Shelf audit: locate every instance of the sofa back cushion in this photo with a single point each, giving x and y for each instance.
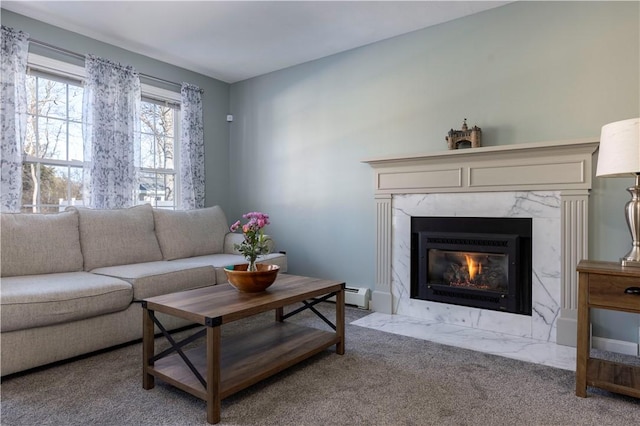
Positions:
(118, 236)
(35, 244)
(189, 233)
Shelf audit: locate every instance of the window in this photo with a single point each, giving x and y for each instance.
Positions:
(52, 168)
(158, 132)
(53, 148)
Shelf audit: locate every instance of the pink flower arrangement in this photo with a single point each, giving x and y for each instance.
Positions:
(255, 242)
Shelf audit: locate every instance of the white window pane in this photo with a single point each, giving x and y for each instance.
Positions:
(52, 138)
(75, 103)
(147, 117)
(167, 182)
(29, 185)
(164, 149)
(147, 152)
(76, 143)
(147, 189)
(54, 184)
(169, 164)
(29, 146)
(166, 119)
(75, 185)
(52, 98)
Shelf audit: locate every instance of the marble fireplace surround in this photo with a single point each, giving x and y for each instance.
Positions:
(546, 181)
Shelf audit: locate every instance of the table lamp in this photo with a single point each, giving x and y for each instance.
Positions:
(620, 157)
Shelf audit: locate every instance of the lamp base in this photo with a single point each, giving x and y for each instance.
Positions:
(630, 263)
(632, 210)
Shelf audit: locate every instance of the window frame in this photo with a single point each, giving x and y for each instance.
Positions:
(67, 72)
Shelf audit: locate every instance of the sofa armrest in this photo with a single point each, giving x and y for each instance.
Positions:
(233, 238)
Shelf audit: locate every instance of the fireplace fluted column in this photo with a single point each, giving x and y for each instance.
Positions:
(574, 211)
(382, 299)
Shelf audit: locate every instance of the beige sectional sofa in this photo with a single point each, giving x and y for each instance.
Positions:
(71, 281)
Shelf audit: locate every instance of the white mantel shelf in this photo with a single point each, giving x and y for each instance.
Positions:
(560, 165)
(565, 167)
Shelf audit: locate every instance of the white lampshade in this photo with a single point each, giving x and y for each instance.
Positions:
(619, 149)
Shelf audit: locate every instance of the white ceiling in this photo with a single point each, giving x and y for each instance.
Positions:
(235, 40)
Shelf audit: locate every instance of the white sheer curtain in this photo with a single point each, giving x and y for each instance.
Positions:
(112, 132)
(13, 105)
(191, 149)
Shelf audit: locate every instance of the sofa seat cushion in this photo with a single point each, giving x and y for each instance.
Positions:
(219, 261)
(156, 278)
(117, 236)
(188, 233)
(35, 244)
(39, 300)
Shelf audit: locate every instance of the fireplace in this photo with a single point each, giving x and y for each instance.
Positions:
(472, 261)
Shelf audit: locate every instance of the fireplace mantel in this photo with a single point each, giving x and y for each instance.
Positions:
(564, 166)
(524, 167)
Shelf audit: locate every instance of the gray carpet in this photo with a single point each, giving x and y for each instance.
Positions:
(383, 379)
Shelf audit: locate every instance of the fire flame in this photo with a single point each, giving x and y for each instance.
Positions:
(474, 267)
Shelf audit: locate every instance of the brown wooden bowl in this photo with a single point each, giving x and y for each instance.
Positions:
(254, 281)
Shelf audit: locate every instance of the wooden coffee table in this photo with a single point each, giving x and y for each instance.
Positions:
(220, 367)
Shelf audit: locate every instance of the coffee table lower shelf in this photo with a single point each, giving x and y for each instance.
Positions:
(246, 358)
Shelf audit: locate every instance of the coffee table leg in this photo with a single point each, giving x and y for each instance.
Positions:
(213, 374)
(279, 314)
(340, 321)
(148, 347)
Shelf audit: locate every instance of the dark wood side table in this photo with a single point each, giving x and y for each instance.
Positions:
(605, 285)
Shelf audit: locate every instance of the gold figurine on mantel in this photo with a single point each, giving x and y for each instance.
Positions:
(464, 138)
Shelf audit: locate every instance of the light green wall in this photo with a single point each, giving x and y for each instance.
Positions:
(215, 97)
(524, 72)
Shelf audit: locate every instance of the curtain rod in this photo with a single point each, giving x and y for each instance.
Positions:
(81, 56)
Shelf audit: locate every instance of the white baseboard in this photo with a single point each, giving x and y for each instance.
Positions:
(617, 346)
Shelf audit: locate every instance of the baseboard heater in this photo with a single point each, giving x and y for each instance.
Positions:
(355, 296)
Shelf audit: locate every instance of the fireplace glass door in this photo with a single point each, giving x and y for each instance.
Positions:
(468, 269)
